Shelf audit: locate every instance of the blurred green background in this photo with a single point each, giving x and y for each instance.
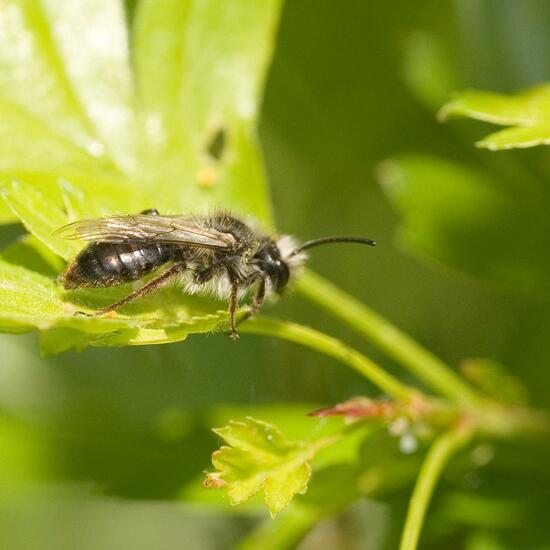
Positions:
(97, 447)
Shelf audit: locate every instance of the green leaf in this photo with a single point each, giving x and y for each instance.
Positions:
(33, 77)
(379, 473)
(52, 156)
(94, 121)
(335, 489)
(29, 301)
(92, 44)
(45, 208)
(215, 59)
(26, 298)
(528, 114)
(40, 216)
(30, 253)
(465, 218)
(260, 458)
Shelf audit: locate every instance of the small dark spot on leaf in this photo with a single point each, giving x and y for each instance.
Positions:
(217, 144)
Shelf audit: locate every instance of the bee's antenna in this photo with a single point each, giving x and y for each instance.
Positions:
(327, 240)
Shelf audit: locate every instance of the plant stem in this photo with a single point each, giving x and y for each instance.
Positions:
(444, 447)
(334, 348)
(418, 360)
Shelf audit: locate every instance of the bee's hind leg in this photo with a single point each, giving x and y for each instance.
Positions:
(147, 288)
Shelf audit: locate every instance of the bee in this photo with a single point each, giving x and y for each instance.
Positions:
(216, 254)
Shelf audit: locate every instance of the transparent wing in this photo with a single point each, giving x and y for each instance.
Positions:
(147, 228)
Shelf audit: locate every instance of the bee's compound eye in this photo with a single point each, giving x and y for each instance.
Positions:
(282, 277)
(275, 268)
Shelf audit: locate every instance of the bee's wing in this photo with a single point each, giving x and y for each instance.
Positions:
(147, 228)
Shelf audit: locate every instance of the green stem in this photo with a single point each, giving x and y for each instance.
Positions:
(334, 348)
(418, 360)
(439, 454)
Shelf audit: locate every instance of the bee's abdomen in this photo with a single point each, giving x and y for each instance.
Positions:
(106, 264)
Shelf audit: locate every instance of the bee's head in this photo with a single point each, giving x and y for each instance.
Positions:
(276, 269)
(290, 265)
(274, 262)
(283, 259)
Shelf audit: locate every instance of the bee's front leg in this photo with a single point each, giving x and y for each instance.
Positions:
(259, 297)
(233, 305)
(256, 305)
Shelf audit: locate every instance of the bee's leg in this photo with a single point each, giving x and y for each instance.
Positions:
(233, 305)
(147, 288)
(201, 277)
(150, 212)
(259, 297)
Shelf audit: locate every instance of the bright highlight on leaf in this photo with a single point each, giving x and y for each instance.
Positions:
(259, 457)
(527, 114)
(96, 121)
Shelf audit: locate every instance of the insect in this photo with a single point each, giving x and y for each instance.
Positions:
(216, 254)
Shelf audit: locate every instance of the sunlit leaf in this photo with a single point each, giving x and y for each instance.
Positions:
(29, 301)
(26, 297)
(40, 216)
(380, 472)
(95, 121)
(527, 113)
(29, 252)
(215, 55)
(260, 458)
(29, 150)
(165, 317)
(92, 41)
(33, 79)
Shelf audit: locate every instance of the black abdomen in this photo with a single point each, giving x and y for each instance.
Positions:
(106, 264)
